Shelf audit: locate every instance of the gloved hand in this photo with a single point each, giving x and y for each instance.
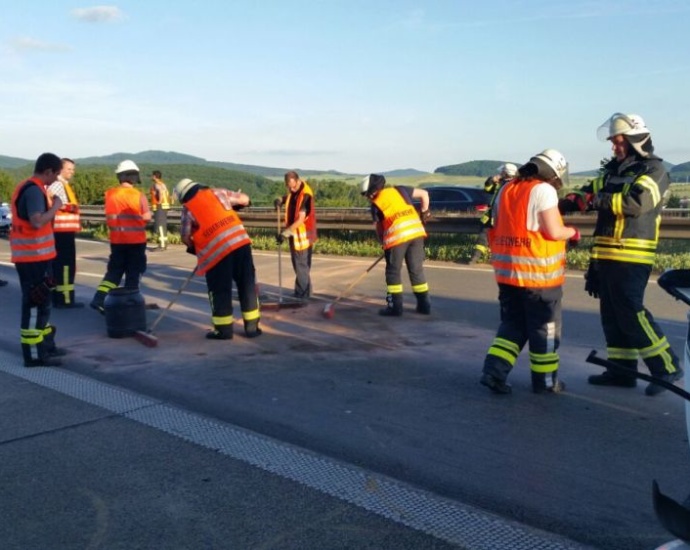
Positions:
(279, 238)
(592, 279)
(277, 203)
(191, 250)
(40, 293)
(285, 234)
(575, 239)
(425, 215)
(602, 201)
(577, 201)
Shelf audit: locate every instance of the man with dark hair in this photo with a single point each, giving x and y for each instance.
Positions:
(127, 212)
(300, 230)
(66, 226)
(160, 204)
(33, 250)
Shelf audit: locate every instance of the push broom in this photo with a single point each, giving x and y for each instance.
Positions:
(329, 309)
(147, 337)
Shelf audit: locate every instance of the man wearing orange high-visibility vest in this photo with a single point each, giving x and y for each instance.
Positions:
(126, 214)
(33, 250)
(300, 230)
(66, 225)
(214, 232)
(528, 245)
(401, 232)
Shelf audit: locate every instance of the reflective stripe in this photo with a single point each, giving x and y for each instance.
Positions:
(222, 321)
(526, 260)
(424, 287)
(523, 278)
(504, 349)
(251, 315)
(401, 222)
(628, 354)
(31, 337)
(226, 247)
(544, 362)
(394, 289)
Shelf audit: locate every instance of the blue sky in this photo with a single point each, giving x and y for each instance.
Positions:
(352, 85)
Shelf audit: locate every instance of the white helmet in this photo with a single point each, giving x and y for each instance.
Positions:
(554, 160)
(126, 166)
(372, 184)
(183, 187)
(618, 123)
(508, 169)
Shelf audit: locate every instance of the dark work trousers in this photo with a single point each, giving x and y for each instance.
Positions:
(527, 315)
(301, 263)
(160, 227)
(34, 325)
(629, 328)
(482, 245)
(64, 267)
(412, 253)
(237, 266)
(125, 259)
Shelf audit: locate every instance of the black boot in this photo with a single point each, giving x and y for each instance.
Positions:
(546, 382)
(611, 377)
(394, 305)
(495, 384)
(51, 349)
(423, 303)
(220, 332)
(98, 301)
(251, 329)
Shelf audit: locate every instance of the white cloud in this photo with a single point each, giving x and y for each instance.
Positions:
(27, 44)
(98, 14)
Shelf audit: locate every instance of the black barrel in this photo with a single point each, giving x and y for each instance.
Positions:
(125, 312)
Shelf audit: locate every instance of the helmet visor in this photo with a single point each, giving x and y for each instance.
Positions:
(619, 123)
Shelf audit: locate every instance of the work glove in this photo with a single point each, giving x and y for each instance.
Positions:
(602, 201)
(277, 203)
(592, 279)
(284, 234)
(40, 293)
(191, 250)
(238, 207)
(575, 239)
(425, 215)
(577, 201)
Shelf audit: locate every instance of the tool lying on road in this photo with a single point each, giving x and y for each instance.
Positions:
(329, 309)
(146, 337)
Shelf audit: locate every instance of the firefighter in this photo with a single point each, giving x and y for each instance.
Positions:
(66, 226)
(32, 246)
(160, 204)
(505, 173)
(213, 231)
(401, 231)
(300, 230)
(627, 196)
(528, 245)
(126, 212)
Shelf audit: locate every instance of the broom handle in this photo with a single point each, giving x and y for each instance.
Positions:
(173, 300)
(358, 279)
(280, 259)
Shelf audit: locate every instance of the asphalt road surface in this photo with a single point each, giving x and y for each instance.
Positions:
(395, 400)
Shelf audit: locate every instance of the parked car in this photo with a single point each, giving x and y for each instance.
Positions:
(5, 218)
(455, 198)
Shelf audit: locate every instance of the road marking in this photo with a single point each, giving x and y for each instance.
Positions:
(423, 511)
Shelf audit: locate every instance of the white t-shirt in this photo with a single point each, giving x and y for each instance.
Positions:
(542, 197)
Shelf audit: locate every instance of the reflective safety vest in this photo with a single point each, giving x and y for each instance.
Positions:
(521, 257)
(124, 216)
(67, 219)
(624, 238)
(305, 235)
(401, 223)
(159, 196)
(27, 243)
(220, 231)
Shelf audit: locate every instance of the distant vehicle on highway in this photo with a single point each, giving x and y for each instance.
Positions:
(5, 218)
(455, 198)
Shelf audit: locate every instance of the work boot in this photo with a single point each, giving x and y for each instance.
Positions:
(251, 329)
(394, 305)
(423, 303)
(546, 382)
(98, 302)
(654, 389)
(223, 332)
(495, 384)
(608, 378)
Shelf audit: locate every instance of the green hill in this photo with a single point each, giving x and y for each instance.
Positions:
(13, 162)
(477, 168)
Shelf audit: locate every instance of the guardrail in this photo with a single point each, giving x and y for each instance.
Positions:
(675, 223)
